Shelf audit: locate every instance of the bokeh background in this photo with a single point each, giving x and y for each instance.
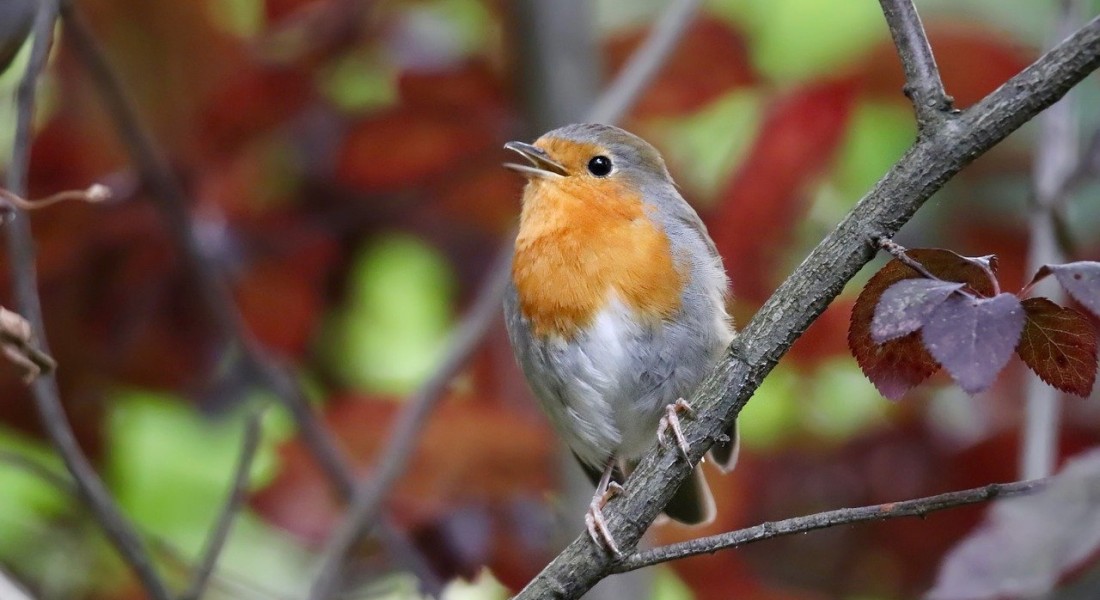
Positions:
(342, 161)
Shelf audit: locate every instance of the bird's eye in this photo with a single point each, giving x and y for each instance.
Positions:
(600, 166)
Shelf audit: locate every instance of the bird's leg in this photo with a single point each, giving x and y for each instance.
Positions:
(671, 420)
(593, 519)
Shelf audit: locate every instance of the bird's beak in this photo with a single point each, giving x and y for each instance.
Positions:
(541, 163)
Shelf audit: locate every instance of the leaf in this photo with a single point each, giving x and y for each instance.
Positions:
(1027, 544)
(899, 364)
(1081, 280)
(1059, 345)
(905, 306)
(973, 338)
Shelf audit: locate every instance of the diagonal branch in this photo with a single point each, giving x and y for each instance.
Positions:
(172, 202)
(918, 507)
(922, 77)
(47, 398)
(367, 502)
(935, 157)
(238, 493)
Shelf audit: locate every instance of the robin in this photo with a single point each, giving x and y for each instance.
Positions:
(615, 308)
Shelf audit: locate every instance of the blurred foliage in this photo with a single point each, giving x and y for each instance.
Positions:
(342, 160)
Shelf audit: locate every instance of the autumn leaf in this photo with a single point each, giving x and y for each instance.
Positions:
(896, 366)
(1059, 345)
(973, 337)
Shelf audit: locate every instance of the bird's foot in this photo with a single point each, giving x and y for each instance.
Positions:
(671, 420)
(595, 522)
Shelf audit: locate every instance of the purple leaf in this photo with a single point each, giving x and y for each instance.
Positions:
(904, 306)
(1027, 544)
(1081, 280)
(973, 338)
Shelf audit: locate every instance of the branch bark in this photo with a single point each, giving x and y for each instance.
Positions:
(47, 398)
(944, 148)
(923, 85)
(918, 507)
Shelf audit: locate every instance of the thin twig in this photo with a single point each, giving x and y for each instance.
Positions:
(645, 63)
(922, 77)
(238, 492)
(367, 502)
(900, 253)
(172, 203)
(17, 343)
(46, 395)
(919, 507)
(236, 586)
(933, 159)
(94, 193)
(1056, 161)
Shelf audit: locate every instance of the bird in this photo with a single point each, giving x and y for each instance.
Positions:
(615, 308)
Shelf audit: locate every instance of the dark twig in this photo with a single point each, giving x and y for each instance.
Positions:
(934, 158)
(17, 343)
(899, 252)
(922, 77)
(238, 492)
(845, 516)
(367, 503)
(172, 203)
(46, 395)
(169, 554)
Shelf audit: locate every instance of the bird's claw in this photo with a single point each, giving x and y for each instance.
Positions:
(671, 420)
(596, 524)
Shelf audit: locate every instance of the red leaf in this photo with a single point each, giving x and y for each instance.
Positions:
(710, 60)
(759, 206)
(1059, 345)
(973, 338)
(404, 146)
(253, 100)
(900, 364)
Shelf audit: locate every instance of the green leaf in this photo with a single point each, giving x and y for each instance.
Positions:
(774, 413)
(27, 502)
(392, 330)
(170, 468)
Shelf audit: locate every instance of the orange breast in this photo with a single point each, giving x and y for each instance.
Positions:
(580, 240)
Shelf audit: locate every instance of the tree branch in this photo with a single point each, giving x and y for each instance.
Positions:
(944, 148)
(845, 516)
(922, 77)
(46, 395)
(238, 493)
(171, 201)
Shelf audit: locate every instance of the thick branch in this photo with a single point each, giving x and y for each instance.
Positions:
(845, 516)
(933, 159)
(922, 78)
(47, 398)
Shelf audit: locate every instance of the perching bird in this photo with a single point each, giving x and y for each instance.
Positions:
(616, 306)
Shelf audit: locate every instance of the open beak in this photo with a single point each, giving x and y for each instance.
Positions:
(541, 163)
